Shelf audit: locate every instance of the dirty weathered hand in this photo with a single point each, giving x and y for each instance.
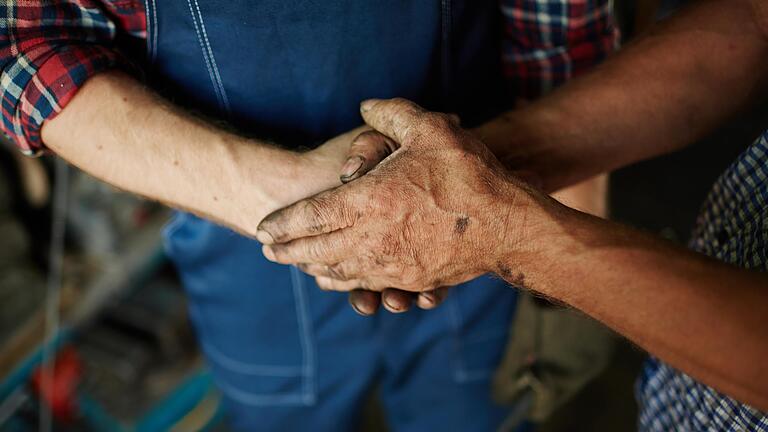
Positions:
(435, 213)
(366, 151)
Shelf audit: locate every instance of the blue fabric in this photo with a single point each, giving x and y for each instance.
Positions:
(286, 355)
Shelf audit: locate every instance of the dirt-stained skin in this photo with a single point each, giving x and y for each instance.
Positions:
(424, 218)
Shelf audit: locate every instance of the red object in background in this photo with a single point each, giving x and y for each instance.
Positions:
(59, 392)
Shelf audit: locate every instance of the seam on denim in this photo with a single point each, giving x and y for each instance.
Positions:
(248, 398)
(217, 75)
(454, 317)
(146, 18)
(307, 343)
(205, 55)
(155, 32)
(220, 359)
(244, 368)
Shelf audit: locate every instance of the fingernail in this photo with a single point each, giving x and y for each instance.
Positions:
(356, 309)
(264, 237)
(351, 166)
(367, 105)
(429, 297)
(268, 253)
(392, 308)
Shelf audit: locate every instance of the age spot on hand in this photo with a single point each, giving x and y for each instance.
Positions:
(461, 225)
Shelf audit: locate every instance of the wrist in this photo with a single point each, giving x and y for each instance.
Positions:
(536, 143)
(519, 140)
(528, 229)
(263, 179)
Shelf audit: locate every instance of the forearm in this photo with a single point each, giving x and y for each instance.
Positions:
(120, 132)
(409, 225)
(703, 317)
(657, 95)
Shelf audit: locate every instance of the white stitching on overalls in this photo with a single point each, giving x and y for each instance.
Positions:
(205, 56)
(260, 399)
(146, 18)
(150, 15)
(307, 395)
(219, 82)
(308, 353)
(222, 360)
(233, 365)
(155, 31)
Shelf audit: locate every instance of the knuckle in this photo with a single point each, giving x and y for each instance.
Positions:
(366, 137)
(411, 279)
(442, 125)
(441, 121)
(412, 287)
(308, 269)
(395, 269)
(338, 271)
(278, 252)
(372, 285)
(315, 250)
(400, 102)
(314, 207)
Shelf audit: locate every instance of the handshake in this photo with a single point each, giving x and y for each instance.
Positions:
(430, 207)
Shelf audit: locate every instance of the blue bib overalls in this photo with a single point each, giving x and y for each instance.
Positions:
(286, 355)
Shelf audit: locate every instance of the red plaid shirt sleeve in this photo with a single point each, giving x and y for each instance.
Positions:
(48, 49)
(548, 42)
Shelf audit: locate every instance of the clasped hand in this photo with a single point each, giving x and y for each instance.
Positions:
(439, 211)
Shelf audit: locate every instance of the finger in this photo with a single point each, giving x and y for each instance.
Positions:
(432, 299)
(396, 301)
(394, 118)
(364, 302)
(328, 284)
(330, 248)
(366, 151)
(343, 271)
(320, 214)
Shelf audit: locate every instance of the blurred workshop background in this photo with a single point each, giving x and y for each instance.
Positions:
(125, 355)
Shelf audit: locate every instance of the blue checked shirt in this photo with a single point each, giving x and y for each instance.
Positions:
(733, 227)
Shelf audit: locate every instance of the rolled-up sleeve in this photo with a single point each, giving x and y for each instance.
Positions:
(548, 42)
(48, 50)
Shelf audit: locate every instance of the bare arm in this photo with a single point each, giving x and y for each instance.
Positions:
(122, 133)
(409, 224)
(704, 317)
(657, 95)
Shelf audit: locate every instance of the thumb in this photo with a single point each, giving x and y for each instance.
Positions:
(394, 118)
(367, 150)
